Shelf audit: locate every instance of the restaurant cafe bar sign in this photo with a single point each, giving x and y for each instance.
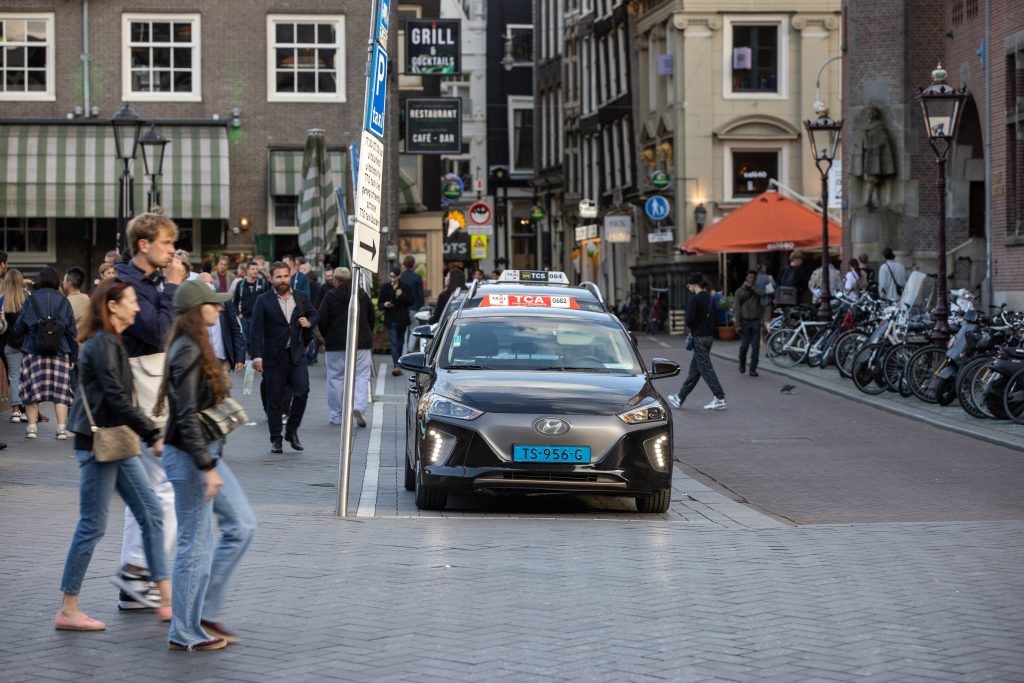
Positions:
(433, 125)
(432, 46)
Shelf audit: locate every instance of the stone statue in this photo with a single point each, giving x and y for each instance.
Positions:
(873, 159)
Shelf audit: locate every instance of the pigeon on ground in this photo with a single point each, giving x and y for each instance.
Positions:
(788, 389)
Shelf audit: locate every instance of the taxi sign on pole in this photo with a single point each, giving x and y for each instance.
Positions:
(377, 96)
(383, 15)
(368, 185)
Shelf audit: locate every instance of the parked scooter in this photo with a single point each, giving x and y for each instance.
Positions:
(995, 378)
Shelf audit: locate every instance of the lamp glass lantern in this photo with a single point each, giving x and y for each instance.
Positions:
(941, 108)
(127, 125)
(153, 145)
(823, 134)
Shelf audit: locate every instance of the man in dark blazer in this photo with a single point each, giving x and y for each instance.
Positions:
(282, 320)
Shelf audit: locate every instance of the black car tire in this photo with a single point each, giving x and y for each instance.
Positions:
(658, 503)
(430, 498)
(410, 476)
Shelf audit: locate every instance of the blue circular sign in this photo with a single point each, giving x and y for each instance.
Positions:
(657, 208)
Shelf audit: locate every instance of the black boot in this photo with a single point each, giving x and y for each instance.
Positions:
(293, 439)
(276, 446)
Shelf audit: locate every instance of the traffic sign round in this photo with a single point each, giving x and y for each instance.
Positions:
(657, 208)
(479, 213)
(660, 179)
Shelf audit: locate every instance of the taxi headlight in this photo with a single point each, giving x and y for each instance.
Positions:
(649, 413)
(659, 452)
(442, 406)
(437, 446)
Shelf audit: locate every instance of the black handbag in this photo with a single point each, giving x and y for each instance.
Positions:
(220, 420)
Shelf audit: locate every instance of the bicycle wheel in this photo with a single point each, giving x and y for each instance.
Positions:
(866, 369)
(846, 348)
(894, 364)
(965, 391)
(921, 368)
(816, 349)
(1013, 397)
(786, 348)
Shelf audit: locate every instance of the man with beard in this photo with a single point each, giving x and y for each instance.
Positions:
(282, 322)
(154, 273)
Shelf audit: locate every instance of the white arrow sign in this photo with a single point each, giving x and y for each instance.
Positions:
(366, 247)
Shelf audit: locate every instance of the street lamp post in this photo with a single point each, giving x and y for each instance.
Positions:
(153, 145)
(941, 107)
(823, 134)
(126, 123)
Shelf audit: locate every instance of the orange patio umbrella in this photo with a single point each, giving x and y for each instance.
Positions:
(768, 222)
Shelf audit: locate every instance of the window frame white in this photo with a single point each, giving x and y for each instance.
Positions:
(509, 28)
(272, 226)
(407, 81)
(196, 45)
(515, 103)
(50, 94)
(27, 258)
(782, 62)
(729, 148)
(340, 73)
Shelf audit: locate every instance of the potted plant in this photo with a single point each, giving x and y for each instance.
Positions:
(726, 324)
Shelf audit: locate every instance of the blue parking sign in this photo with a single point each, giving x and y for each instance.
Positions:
(383, 12)
(377, 95)
(657, 208)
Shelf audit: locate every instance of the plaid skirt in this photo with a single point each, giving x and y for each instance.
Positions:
(45, 378)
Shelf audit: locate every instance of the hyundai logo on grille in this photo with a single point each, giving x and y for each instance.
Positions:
(549, 426)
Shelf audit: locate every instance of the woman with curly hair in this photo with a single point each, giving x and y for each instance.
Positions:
(204, 485)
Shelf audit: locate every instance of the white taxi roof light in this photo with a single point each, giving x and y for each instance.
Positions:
(554, 276)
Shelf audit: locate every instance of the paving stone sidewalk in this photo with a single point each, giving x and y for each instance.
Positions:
(539, 590)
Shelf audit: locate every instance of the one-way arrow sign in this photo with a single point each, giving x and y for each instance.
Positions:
(366, 240)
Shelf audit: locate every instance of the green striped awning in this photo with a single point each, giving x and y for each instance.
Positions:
(285, 171)
(410, 199)
(70, 171)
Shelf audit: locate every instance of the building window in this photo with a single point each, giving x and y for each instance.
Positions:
(286, 213)
(26, 58)
(161, 57)
(520, 113)
(1014, 180)
(407, 82)
(26, 237)
(755, 58)
(521, 37)
(751, 171)
(306, 58)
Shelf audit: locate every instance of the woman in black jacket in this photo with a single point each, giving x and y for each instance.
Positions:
(454, 279)
(700, 320)
(203, 484)
(105, 380)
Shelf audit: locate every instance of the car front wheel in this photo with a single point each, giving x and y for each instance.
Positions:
(410, 476)
(658, 503)
(430, 498)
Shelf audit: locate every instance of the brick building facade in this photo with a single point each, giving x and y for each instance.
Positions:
(286, 66)
(890, 48)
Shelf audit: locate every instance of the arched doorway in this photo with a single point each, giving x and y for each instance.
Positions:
(966, 225)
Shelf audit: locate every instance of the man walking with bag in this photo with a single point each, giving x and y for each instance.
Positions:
(892, 277)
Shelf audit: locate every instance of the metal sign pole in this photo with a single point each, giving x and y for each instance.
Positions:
(348, 392)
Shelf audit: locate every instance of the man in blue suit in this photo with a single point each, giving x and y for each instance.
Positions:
(282, 320)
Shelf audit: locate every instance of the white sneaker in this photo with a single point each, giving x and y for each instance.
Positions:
(62, 433)
(673, 399)
(30, 432)
(15, 417)
(717, 404)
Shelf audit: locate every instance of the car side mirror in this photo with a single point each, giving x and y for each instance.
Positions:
(662, 368)
(417, 362)
(422, 332)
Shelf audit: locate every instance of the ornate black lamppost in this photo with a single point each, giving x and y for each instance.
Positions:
(941, 106)
(153, 145)
(823, 134)
(127, 123)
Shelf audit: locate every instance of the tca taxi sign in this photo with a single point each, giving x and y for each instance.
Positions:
(530, 300)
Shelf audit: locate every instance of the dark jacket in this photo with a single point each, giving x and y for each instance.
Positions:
(396, 315)
(156, 310)
(49, 302)
(700, 315)
(333, 322)
(412, 282)
(187, 394)
(748, 303)
(105, 377)
(231, 333)
(270, 332)
(792, 277)
(246, 295)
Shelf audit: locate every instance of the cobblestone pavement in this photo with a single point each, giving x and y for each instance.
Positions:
(529, 589)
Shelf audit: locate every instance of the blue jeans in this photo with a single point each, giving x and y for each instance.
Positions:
(202, 573)
(396, 335)
(97, 482)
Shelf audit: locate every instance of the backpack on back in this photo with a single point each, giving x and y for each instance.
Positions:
(49, 329)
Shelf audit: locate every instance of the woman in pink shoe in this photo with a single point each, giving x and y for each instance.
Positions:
(105, 381)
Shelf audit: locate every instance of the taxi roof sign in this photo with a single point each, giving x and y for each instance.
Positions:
(530, 300)
(553, 276)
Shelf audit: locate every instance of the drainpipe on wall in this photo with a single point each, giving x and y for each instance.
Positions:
(986, 293)
(85, 56)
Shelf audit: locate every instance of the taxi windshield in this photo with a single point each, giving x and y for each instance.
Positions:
(539, 343)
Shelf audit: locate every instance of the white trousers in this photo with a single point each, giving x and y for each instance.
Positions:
(336, 381)
(131, 545)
